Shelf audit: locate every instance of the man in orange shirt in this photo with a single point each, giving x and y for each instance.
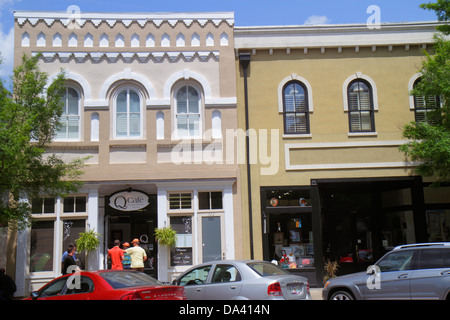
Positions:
(116, 256)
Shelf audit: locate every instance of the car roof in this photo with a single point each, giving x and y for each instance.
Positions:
(423, 245)
(234, 261)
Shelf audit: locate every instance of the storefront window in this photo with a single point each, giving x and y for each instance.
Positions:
(291, 238)
(179, 201)
(41, 253)
(210, 200)
(42, 205)
(74, 204)
(288, 224)
(71, 232)
(181, 255)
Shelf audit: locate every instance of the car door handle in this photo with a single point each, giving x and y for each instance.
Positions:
(445, 273)
(198, 289)
(233, 287)
(403, 276)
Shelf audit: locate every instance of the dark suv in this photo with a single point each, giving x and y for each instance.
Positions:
(414, 271)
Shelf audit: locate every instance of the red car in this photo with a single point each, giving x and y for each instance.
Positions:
(107, 285)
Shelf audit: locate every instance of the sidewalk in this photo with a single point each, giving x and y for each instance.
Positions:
(316, 293)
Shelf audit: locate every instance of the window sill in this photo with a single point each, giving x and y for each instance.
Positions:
(362, 134)
(297, 136)
(43, 216)
(74, 215)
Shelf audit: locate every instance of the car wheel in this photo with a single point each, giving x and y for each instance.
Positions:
(341, 295)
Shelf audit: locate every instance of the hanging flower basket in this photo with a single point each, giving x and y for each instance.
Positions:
(166, 236)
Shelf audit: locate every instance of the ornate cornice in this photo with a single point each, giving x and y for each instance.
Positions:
(98, 56)
(49, 17)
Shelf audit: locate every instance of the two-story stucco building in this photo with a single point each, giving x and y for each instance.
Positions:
(326, 106)
(148, 99)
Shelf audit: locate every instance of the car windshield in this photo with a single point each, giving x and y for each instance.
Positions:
(266, 269)
(126, 279)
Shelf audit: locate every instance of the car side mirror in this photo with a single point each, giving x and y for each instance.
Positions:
(34, 295)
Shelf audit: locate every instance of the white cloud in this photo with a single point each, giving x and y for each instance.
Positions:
(6, 40)
(6, 3)
(317, 20)
(7, 52)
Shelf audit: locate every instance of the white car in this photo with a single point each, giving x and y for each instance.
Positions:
(242, 280)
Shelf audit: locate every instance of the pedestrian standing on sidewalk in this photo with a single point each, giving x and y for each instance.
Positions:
(70, 247)
(7, 286)
(116, 256)
(126, 262)
(69, 261)
(138, 256)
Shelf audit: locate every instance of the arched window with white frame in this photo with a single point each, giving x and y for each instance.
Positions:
(425, 107)
(360, 106)
(128, 114)
(188, 112)
(70, 119)
(295, 108)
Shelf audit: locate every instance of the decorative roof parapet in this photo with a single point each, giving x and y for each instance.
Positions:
(49, 17)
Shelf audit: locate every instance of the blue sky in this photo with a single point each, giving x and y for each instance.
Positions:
(247, 13)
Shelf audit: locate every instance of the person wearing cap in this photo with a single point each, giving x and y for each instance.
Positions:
(138, 256)
(126, 262)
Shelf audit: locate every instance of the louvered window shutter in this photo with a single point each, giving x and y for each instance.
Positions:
(360, 107)
(296, 108)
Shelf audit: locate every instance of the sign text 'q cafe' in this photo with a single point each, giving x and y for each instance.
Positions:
(129, 200)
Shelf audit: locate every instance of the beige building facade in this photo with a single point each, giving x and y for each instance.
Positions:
(326, 106)
(148, 99)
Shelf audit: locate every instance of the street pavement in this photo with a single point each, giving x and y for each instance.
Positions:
(316, 293)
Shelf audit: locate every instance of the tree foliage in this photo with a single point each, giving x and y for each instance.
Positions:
(29, 118)
(430, 140)
(442, 10)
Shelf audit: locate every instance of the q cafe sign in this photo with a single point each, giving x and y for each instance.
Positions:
(129, 200)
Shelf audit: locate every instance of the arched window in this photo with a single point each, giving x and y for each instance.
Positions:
(360, 106)
(70, 118)
(128, 118)
(295, 108)
(188, 112)
(425, 106)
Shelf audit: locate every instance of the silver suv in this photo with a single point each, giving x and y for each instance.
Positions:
(414, 271)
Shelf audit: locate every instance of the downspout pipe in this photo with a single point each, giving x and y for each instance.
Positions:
(244, 60)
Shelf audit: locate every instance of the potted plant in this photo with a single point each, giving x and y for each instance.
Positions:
(331, 268)
(88, 241)
(166, 236)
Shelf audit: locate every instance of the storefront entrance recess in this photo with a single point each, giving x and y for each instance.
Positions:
(139, 224)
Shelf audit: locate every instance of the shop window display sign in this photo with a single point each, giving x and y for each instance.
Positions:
(181, 255)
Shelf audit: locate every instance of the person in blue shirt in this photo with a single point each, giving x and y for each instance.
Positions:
(70, 247)
(126, 262)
